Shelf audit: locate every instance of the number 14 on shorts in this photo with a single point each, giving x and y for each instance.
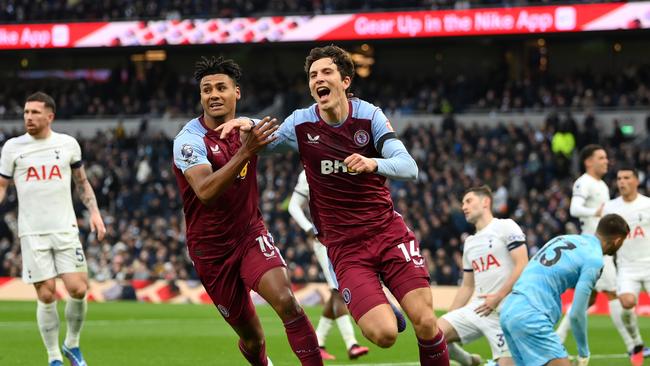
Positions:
(412, 253)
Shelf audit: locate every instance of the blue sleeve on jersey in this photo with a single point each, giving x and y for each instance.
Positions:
(189, 150)
(397, 162)
(381, 128)
(285, 137)
(588, 277)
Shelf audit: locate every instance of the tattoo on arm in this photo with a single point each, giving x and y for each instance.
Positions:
(84, 189)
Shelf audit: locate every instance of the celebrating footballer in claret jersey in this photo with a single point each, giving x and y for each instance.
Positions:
(348, 148)
(227, 240)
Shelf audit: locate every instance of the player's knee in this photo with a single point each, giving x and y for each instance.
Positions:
(383, 337)
(287, 306)
(424, 322)
(46, 297)
(253, 345)
(78, 291)
(628, 301)
(46, 292)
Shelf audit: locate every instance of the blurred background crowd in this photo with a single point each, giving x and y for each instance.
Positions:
(135, 187)
(160, 91)
(568, 79)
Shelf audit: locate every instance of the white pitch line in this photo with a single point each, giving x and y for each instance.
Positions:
(593, 357)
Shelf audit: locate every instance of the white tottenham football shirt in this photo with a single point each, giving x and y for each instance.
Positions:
(42, 172)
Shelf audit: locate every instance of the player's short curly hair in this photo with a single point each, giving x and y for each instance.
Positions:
(42, 97)
(339, 56)
(613, 225)
(217, 65)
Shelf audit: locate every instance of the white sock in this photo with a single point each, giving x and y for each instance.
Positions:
(48, 324)
(616, 313)
(458, 354)
(347, 332)
(75, 313)
(268, 359)
(323, 329)
(564, 327)
(631, 323)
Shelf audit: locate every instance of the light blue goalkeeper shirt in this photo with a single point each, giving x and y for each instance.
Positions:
(568, 261)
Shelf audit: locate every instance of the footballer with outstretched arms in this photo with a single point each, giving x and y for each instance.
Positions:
(348, 149)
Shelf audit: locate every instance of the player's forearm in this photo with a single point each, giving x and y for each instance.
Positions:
(4, 184)
(506, 288)
(578, 317)
(215, 184)
(295, 210)
(87, 197)
(578, 209)
(462, 297)
(397, 163)
(520, 264)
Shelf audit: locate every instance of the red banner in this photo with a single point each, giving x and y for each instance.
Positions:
(362, 26)
(602, 307)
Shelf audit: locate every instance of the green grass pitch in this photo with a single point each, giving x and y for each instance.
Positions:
(146, 334)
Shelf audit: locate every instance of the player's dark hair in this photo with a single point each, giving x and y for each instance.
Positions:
(588, 151)
(612, 226)
(42, 97)
(217, 65)
(339, 56)
(628, 167)
(483, 191)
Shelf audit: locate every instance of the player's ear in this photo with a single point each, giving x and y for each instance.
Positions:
(347, 81)
(238, 92)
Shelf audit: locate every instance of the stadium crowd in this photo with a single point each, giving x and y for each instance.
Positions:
(157, 90)
(135, 188)
(87, 10)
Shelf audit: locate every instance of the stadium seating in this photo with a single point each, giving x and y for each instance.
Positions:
(131, 175)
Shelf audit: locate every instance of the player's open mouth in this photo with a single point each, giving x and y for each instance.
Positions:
(322, 92)
(215, 105)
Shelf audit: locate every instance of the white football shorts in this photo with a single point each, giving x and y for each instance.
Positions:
(471, 326)
(49, 255)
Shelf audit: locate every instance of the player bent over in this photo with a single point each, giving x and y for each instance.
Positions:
(493, 259)
(534, 306)
(228, 243)
(42, 164)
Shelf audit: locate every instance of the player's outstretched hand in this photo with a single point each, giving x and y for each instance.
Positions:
(260, 136)
(242, 124)
(357, 163)
(491, 303)
(97, 226)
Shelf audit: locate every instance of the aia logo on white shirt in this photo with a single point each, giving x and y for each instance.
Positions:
(43, 173)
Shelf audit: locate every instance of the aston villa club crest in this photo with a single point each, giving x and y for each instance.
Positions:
(361, 138)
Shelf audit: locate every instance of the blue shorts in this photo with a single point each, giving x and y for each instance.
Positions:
(529, 333)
